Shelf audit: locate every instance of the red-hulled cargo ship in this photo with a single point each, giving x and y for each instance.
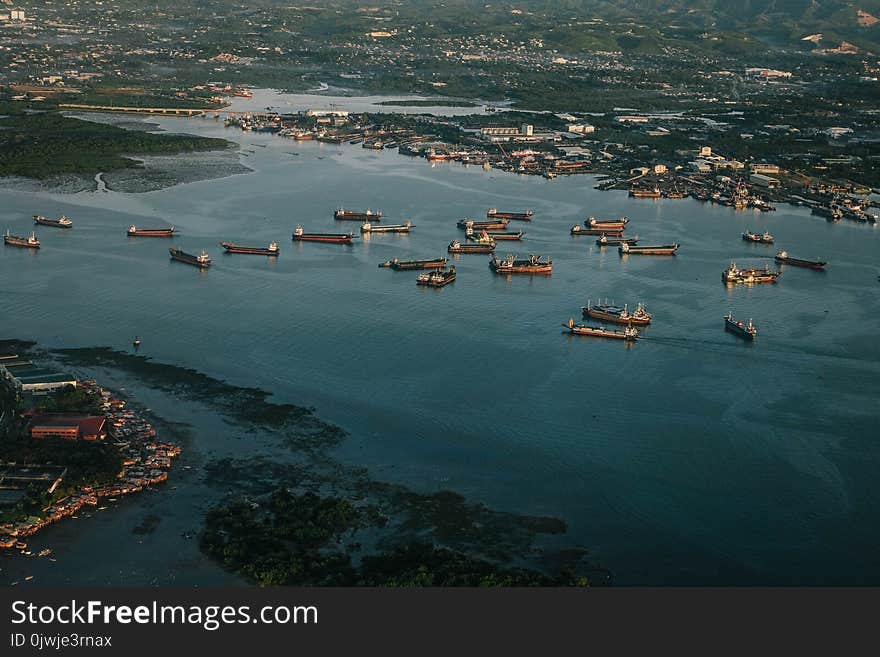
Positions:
(134, 231)
(510, 265)
(610, 224)
(577, 229)
(457, 247)
(629, 333)
(501, 224)
(330, 238)
(22, 242)
(493, 213)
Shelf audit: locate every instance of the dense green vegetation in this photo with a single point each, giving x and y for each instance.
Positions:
(290, 539)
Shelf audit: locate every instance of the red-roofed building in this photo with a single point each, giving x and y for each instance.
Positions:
(70, 427)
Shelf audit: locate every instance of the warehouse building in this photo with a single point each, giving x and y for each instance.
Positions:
(23, 377)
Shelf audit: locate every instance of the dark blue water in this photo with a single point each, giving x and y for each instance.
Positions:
(689, 457)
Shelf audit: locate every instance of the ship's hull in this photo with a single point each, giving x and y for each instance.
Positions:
(472, 248)
(597, 231)
(188, 259)
(436, 280)
(618, 241)
(524, 268)
(501, 237)
(518, 216)
(797, 262)
(387, 229)
(615, 317)
(606, 225)
(54, 223)
(410, 265)
(637, 193)
(599, 332)
(357, 216)
(248, 250)
(757, 239)
(484, 225)
(650, 250)
(736, 329)
(318, 237)
(151, 232)
(20, 243)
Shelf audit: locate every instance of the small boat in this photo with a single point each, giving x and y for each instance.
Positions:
(509, 265)
(733, 275)
(406, 265)
(747, 331)
(577, 229)
(617, 241)
(629, 333)
(136, 342)
(783, 257)
(437, 278)
(134, 231)
(271, 250)
(501, 224)
(61, 222)
(611, 224)
(457, 247)
(611, 313)
(202, 261)
(332, 238)
(766, 238)
(493, 213)
(666, 249)
(367, 215)
(30, 242)
(367, 227)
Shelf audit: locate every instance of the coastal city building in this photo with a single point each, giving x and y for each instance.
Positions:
(23, 377)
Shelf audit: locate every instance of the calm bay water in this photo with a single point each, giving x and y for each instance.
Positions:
(690, 457)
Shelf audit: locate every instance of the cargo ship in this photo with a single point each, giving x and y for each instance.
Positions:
(271, 250)
(766, 238)
(577, 229)
(510, 265)
(368, 215)
(496, 235)
(782, 256)
(501, 224)
(617, 241)
(201, 261)
(61, 222)
(134, 231)
(367, 227)
(437, 278)
(457, 247)
(610, 313)
(23, 242)
(629, 333)
(735, 276)
(610, 224)
(332, 238)
(645, 193)
(407, 265)
(482, 238)
(747, 331)
(493, 213)
(666, 249)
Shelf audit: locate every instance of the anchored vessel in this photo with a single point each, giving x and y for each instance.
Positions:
(482, 238)
(201, 261)
(667, 249)
(617, 241)
(493, 213)
(367, 215)
(509, 265)
(406, 265)
(61, 222)
(733, 275)
(499, 235)
(577, 229)
(645, 193)
(610, 313)
(367, 227)
(766, 238)
(747, 331)
(271, 250)
(333, 238)
(457, 247)
(782, 256)
(23, 242)
(629, 333)
(501, 224)
(134, 231)
(437, 278)
(611, 224)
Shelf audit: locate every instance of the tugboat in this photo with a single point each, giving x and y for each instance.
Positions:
(271, 250)
(437, 278)
(61, 222)
(333, 238)
(134, 231)
(735, 276)
(202, 261)
(457, 247)
(368, 215)
(367, 227)
(611, 224)
(501, 224)
(747, 331)
(492, 213)
(782, 256)
(629, 333)
(509, 265)
(22, 242)
(668, 249)
(407, 265)
(577, 229)
(766, 238)
(617, 241)
(617, 315)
